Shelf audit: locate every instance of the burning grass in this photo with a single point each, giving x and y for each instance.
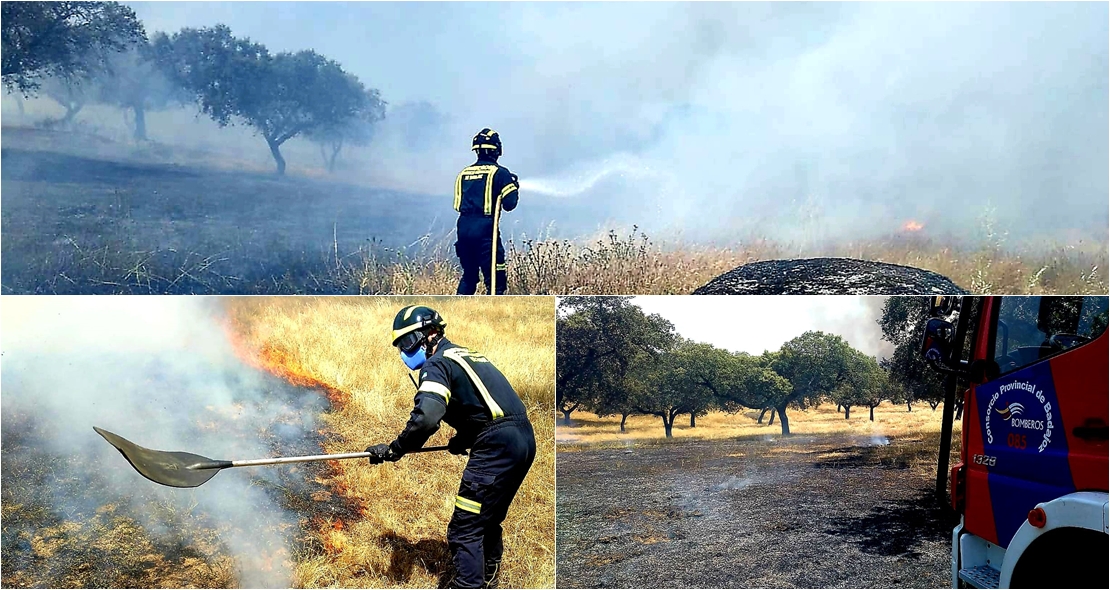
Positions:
(397, 539)
(86, 215)
(68, 522)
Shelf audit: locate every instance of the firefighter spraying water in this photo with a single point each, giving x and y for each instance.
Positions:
(1031, 484)
(482, 190)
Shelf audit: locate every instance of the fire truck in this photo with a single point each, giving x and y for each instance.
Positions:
(1030, 485)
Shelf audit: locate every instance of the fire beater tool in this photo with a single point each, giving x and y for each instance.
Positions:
(185, 470)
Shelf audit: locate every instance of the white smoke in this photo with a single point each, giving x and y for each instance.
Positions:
(160, 372)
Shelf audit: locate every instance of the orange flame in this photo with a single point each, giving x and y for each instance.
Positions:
(281, 363)
(912, 226)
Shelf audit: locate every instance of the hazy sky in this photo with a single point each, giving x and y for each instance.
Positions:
(757, 323)
(800, 120)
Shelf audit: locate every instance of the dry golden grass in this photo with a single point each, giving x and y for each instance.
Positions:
(910, 439)
(343, 343)
(629, 263)
(588, 429)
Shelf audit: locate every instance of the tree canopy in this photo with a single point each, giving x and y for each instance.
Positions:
(62, 39)
(281, 96)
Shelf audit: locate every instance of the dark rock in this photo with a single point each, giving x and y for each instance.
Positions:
(828, 276)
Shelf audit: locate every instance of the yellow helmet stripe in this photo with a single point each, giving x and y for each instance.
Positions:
(398, 333)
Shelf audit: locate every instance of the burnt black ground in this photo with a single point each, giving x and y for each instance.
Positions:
(828, 276)
(825, 511)
(77, 220)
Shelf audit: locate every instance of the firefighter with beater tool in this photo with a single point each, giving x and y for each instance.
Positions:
(482, 190)
(463, 388)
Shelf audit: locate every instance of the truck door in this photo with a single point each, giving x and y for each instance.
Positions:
(1037, 428)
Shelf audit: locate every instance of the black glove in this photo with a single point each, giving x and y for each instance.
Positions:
(457, 445)
(380, 454)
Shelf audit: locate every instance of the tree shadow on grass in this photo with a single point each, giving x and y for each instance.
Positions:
(34, 166)
(430, 555)
(897, 527)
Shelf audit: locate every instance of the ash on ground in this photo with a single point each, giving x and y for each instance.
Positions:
(828, 276)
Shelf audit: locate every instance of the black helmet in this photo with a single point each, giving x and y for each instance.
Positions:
(410, 326)
(487, 141)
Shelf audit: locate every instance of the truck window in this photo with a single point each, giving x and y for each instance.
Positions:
(1034, 328)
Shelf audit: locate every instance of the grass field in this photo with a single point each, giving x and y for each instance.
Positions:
(85, 215)
(733, 504)
(588, 429)
(343, 345)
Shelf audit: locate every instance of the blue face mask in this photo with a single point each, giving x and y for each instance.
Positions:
(415, 360)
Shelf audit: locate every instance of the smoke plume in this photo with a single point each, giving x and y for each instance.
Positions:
(159, 372)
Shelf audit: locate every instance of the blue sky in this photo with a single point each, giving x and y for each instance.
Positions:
(746, 116)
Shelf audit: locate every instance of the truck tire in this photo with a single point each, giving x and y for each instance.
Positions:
(1064, 558)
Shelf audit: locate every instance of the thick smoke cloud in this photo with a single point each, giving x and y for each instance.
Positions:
(160, 372)
(759, 323)
(793, 121)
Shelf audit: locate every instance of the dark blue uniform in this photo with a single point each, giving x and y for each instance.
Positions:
(478, 190)
(463, 389)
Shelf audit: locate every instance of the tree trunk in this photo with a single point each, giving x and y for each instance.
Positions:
(783, 420)
(761, 414)
(847, 412)
(959, 410)
(566, 416)
(934, 405)
(839, 407)
(693, 420)
(624, 417)
(872, 413)
(771, 421)
(334, 154)
(72, 108)
(275, 151)
(140, 122)
(667, 425)
(909, 408)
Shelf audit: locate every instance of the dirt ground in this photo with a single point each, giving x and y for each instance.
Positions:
(817, 511)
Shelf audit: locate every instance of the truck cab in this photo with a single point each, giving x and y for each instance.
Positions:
(1031, 483)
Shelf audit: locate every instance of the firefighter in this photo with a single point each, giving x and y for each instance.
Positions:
(462, 388)
(482, 190)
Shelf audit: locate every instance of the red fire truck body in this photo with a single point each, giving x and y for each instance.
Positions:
(1031, 485)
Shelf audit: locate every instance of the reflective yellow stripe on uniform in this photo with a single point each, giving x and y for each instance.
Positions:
(457, 354)
(487, 207)
(436, 388)
(500, 267)
(468, 505)
(458, 190)
(509, 188)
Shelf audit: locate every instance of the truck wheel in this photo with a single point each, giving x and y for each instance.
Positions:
(1064, 558)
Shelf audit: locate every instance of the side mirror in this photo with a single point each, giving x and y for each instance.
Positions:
(936, 342)
(942, 305)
